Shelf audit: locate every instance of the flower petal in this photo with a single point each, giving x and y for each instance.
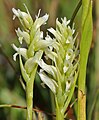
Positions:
(65, 22)
(48, 68)
(15, 13)
(14, 56)
(48, 81)
(50, 54)
(25, 18)
(42, 44)
(40, 21)
(21, 51)
(23, 35)
(51, 30)
(68, 84)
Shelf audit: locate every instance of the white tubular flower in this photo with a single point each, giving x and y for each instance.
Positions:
(48, 81)
(24, 18)
(51, 30)
(48, 68)
(20, 51)
(42, 44)
(50, 54)
(40, 21)
(23, 35)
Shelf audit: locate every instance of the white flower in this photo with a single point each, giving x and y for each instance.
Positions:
(65, 22)
(51, 30)
(68, 84)
(40, 21)
(23, 35)
(20, 51)
(48, 81)
(24, 17)
(48, 68)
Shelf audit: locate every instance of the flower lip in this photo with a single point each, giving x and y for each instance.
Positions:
(15, 13)
(20, 51)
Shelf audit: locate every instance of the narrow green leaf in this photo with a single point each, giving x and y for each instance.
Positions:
(85, 47)
(86, 38)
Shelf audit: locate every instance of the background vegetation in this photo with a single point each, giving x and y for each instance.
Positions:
(11, 90)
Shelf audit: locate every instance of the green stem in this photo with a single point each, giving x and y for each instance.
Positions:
(59, 114)
(29, 94)
(29, 97)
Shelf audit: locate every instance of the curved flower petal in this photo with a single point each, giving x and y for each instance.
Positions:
(14, 56)
(15, 13)
(48, 81)
(40, 21)
(48, 68)
(68, 84)
(23, 35)
(20, 51)
(69, 54)
(42, 44)
(51, 30)
(50, 54)
(65, 68)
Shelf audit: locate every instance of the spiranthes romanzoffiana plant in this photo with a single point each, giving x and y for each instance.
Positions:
(35, 45)
(61, 75)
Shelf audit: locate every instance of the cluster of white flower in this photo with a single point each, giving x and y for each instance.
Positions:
(62, 74)
(61, 49)
(33, 37)
(63, 53)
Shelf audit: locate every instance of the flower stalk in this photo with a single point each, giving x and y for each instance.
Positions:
(32, 36)
(62, 73)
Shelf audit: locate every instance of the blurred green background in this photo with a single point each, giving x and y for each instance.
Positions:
(11, 90)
